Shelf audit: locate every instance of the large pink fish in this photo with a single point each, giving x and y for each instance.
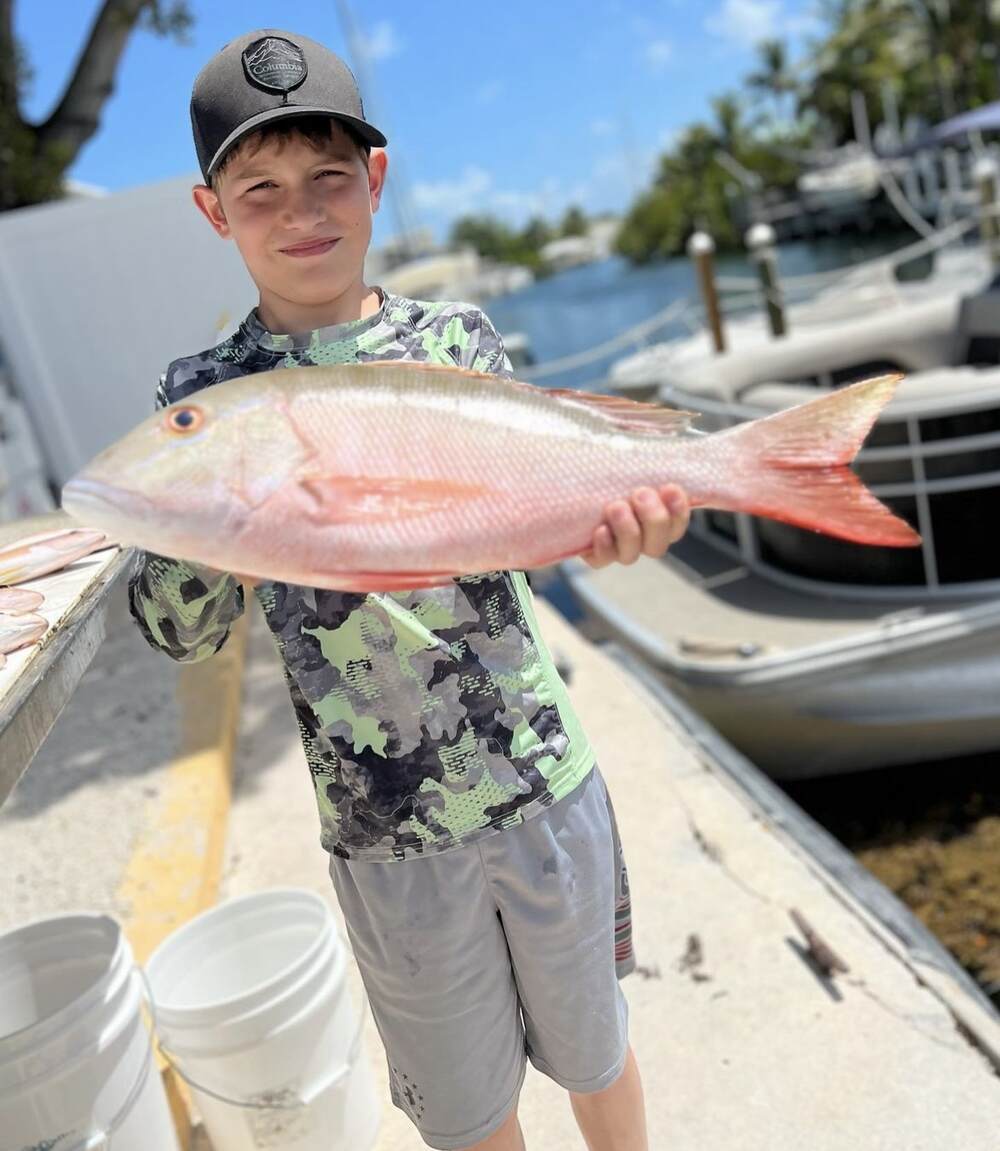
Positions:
(395, 475)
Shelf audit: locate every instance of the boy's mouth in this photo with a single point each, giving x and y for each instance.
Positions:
(311, 247)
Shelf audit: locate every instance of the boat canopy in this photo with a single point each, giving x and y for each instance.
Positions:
(984, 119)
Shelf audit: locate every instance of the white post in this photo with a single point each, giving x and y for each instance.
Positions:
(760, 241)
(890, 111)
(859, 113)
(953, 182)
(985, 175)
(932, 187)
(700, 248)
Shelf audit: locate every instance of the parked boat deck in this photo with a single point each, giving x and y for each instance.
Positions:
(803, 685)
(701, 602)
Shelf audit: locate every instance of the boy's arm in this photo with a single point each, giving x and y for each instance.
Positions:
(182, 608)
(488, 355)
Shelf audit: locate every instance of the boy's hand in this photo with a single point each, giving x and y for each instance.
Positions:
(646, 524)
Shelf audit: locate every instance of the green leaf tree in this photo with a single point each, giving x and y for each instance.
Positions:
(574, 223)
(774, 77)
(34, 158)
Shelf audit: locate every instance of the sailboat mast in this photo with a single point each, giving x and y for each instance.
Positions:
(395, 188)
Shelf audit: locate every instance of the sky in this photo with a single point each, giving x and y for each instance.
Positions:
(515, 109)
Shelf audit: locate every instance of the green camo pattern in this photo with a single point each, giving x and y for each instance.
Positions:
(428, 718)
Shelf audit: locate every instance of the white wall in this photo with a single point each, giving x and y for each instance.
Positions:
(96, 297)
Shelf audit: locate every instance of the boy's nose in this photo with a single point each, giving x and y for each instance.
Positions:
(303, 206)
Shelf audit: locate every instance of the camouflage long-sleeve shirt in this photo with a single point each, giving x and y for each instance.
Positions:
(429, 718)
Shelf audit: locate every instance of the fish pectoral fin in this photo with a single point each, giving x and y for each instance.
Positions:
(342, 499)
(380, 581)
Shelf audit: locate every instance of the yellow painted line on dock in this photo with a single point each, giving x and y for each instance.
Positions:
(176, 864)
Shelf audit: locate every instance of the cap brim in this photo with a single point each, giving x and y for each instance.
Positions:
(369, 134)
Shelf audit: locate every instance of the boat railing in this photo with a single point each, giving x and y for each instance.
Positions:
(748, 557)
(939, 238)
(921, 488)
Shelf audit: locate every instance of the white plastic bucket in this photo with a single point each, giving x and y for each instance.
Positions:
(251, 1008)
(76, 1066)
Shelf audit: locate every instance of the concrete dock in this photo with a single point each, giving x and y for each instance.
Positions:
(741, 1040)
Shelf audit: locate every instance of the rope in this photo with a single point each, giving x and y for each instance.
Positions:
(629, 336)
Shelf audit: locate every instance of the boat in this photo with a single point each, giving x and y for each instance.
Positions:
(849, 178)
(810, 654)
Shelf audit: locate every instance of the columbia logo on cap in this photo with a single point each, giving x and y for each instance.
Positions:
(275, 64)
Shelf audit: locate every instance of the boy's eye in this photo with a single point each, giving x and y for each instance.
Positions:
(262, 184)
(332, 172)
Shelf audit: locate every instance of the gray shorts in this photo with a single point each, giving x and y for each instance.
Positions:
(481, 956)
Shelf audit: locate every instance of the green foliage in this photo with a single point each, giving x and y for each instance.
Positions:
(693, 191)
(938, 58)
(35, 157)
(495, 240)
(574, 223)
(171, 18)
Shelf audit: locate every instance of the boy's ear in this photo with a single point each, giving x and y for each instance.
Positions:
(211, 208)
(378, 162)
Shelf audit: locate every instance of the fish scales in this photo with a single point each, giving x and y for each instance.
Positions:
(381, 476)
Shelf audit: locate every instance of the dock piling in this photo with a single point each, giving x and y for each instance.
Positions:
(984, 173)
(700, 247)
(760, 241)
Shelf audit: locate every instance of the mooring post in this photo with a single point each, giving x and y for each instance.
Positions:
(760, 241)
(700, 248)
(984, 172)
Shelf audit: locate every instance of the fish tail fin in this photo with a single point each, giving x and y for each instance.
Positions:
(797, 461)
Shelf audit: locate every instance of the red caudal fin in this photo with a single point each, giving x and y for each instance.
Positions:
(796, 466)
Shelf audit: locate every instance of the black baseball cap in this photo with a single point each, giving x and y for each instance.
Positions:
(269, 75)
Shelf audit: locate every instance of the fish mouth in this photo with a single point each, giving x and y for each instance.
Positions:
(81, 497)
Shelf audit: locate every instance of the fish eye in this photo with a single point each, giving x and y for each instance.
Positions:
(185, 420)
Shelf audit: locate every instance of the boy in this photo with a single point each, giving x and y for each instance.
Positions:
(436, 729)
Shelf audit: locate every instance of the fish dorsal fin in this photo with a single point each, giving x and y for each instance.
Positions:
(630, 415)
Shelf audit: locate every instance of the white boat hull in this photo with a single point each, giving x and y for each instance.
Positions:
(889, 693)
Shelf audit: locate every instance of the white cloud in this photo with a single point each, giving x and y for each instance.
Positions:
(631, 169)
(658, 53)
(450, 198)
(476, 192)
(603, 127)
(381, 42)
(744, 23)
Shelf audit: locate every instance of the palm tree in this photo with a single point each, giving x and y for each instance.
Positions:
(775, 78)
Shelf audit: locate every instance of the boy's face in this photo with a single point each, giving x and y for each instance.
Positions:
(301, 217)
